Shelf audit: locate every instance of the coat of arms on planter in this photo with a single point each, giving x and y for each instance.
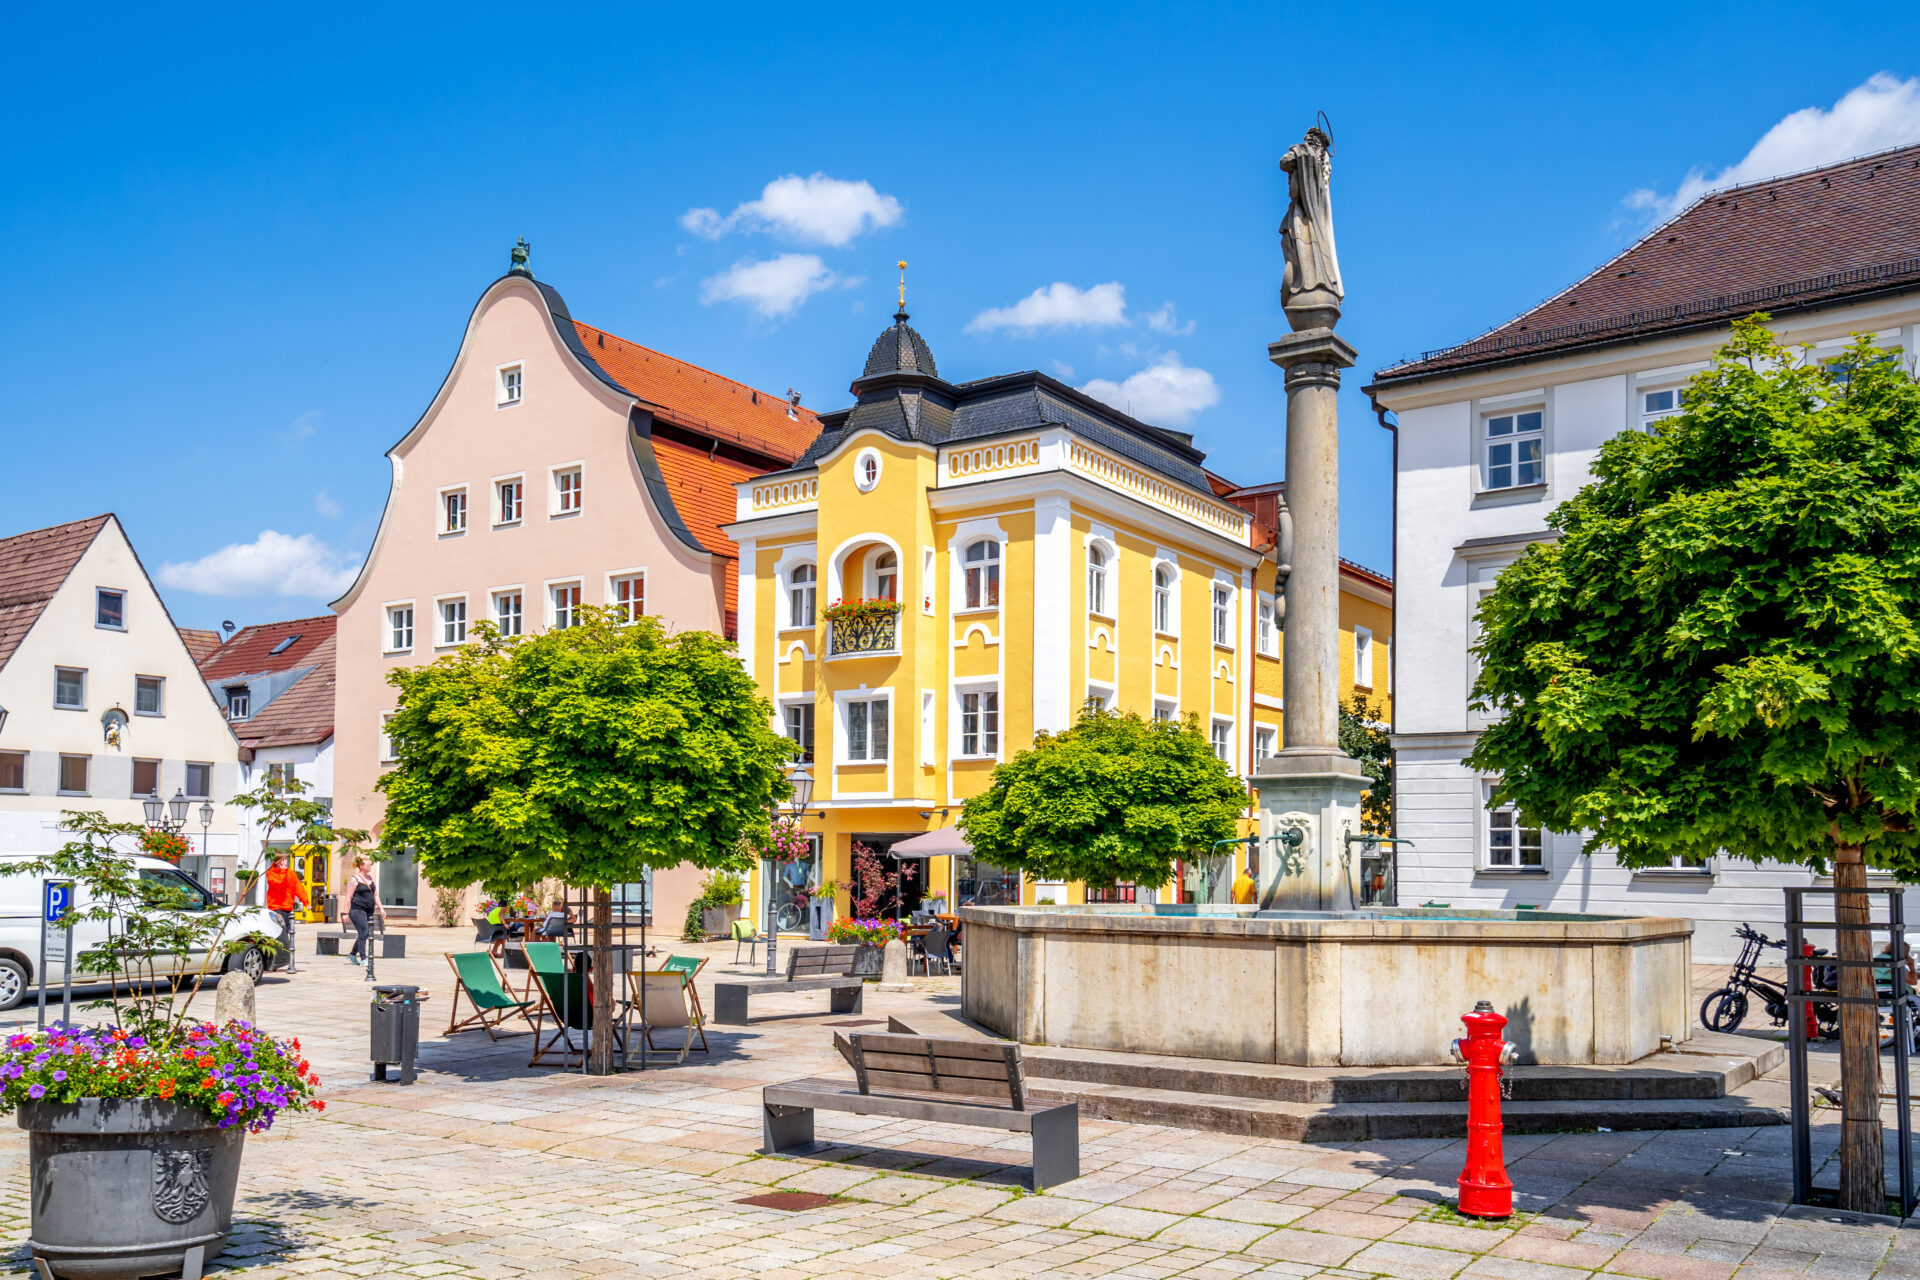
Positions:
(180, 1188)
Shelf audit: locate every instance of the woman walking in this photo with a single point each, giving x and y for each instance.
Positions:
(363, 905)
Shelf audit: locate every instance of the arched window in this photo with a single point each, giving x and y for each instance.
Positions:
(869, 471)
(800, 593)
(1163, 598)
(983, 575)
(1097, 578)
(886, 577)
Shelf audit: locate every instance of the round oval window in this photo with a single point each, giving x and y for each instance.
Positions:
(866, 470)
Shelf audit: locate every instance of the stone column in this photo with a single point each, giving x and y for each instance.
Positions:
(1311, 786)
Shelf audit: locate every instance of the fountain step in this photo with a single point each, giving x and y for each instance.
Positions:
(1710, 1066)
(1377, 1121)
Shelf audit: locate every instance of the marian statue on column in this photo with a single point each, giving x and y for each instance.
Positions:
(1311, 291)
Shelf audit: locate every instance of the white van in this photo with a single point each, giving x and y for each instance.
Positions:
(20, 931)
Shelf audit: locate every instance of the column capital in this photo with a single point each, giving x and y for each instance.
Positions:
(1313, 357)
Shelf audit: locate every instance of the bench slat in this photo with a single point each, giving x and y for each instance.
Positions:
(984, 1051)
(838, 1095)
(945, 1066)
(904, 1082)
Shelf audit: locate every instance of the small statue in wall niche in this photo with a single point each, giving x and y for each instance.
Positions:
(113, 726)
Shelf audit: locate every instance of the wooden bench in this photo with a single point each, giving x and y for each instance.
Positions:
(970, 1082)
(827, 969)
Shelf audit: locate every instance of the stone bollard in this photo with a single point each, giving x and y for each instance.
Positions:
(893, 967)
(233, 999)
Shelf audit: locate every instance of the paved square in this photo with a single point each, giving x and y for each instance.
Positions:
(490, 1168)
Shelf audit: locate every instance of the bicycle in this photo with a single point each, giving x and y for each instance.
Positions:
(1724, 1010)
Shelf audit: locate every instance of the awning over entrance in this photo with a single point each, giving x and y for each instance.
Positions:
(944, 843)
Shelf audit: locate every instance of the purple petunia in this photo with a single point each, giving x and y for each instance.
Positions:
(59, 1075)
(37, 1091)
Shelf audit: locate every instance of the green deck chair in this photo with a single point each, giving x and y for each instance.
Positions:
(744, 932)
(691, 967)
(474, 974)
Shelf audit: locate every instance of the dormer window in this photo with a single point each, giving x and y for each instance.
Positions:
(239, 702)
(510, 384)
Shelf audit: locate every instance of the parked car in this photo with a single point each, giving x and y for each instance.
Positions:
(20, 931)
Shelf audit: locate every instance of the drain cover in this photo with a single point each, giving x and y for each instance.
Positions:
(792, 1201)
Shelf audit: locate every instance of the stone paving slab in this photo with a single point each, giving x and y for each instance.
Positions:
(491, 1169)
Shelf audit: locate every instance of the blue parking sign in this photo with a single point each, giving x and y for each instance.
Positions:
(58, 899)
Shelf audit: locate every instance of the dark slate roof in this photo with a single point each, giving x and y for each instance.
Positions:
(1812, 239)
(900, 349)
(901, 396)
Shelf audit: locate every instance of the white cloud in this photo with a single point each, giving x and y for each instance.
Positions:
(1167, 320)
(1165, 393)
(1883, 112)
(273, 564)
(1058, 306)
(325, 505)
(774, 287)
(302, 427)
(1061, 369)
(815, 209)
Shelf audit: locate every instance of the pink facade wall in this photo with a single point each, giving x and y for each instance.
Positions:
(566, 416)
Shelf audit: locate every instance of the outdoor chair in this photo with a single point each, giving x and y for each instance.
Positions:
(564, 998)
(937, 948)
(691, 966)
(744, 931)
(662, 999)
(474, 974)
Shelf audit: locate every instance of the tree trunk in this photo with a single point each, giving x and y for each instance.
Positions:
(1862, 1155)
(600, 1055)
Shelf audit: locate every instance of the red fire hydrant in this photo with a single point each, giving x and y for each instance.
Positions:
(1485, 1189)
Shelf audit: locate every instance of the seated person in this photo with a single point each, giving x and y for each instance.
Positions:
(559, 921)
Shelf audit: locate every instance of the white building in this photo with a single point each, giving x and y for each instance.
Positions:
(101, 705)
(1493, 433)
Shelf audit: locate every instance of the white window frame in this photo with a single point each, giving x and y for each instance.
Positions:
(790, 585)
(1266, 741)
(1220, 738)
(60, 769)
(70, 706)
(554, 588)
(928, 701)
(874, 572)
(1104, 692)
(1514, 436)
(133, 782)
(979, 690)
(926, 581)
(510, 385)
(444, 526)
(867, 467)
(1363, 657)
(614, 582)
(843, 726)
(191, 766)
(500, 517)
(1166, 711)
(99, 594)
(1166, 599)
(25, 762)
(518, 594)
(160, 696)
(239, 701)
(1487, 824)
(1223, 628)
(556, 495)
(443, 624)
(1100, 601)
(992, 570)
(1266, 637)
(1646, 416)
(387, 629)
(802, 703)
(387, 755)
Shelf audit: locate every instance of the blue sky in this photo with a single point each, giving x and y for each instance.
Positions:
(241, 246)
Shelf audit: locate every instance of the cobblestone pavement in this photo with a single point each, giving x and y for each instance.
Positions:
(489, 1168)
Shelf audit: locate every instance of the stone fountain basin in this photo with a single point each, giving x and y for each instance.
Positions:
(1369, 988)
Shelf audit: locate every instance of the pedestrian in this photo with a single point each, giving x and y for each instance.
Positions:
(283, 891)
(363, 904)
(1246, 890)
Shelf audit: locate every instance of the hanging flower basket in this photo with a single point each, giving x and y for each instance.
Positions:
(170, 845)
(861, 612)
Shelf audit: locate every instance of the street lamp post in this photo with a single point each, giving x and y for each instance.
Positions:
(802, 783)
(170, 816)
(206, 841)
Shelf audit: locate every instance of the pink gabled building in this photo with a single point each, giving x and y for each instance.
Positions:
(557, 466)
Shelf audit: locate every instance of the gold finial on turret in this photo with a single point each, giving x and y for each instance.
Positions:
(903, 284)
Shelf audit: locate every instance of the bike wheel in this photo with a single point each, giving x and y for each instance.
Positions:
(1724, 1010)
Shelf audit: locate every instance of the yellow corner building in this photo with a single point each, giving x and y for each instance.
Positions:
(1042, 548)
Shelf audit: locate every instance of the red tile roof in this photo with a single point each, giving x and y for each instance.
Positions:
(702, 489)
(32, 567)
(1805, 239)
(199, 642)
(702, 400)
(300, 716)
(249, 652)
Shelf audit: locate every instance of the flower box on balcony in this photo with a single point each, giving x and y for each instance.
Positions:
(863, 626)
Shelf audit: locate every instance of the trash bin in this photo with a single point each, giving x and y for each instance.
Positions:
(394, 1037)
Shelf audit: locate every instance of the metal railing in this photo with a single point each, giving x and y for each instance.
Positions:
(864, 635)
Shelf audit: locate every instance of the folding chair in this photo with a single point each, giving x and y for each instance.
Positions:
(691, 966)
(474, 974)
(660, 996)
(744, 931)
(563, 997)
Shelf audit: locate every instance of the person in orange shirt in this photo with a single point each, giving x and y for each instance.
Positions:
(283, 891)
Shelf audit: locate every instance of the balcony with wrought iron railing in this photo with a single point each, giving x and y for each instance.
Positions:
(863, 630)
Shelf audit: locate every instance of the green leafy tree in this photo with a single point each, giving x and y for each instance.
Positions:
(1363, 739)
(585, 754)
(1718, 654)
(1114, 798)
